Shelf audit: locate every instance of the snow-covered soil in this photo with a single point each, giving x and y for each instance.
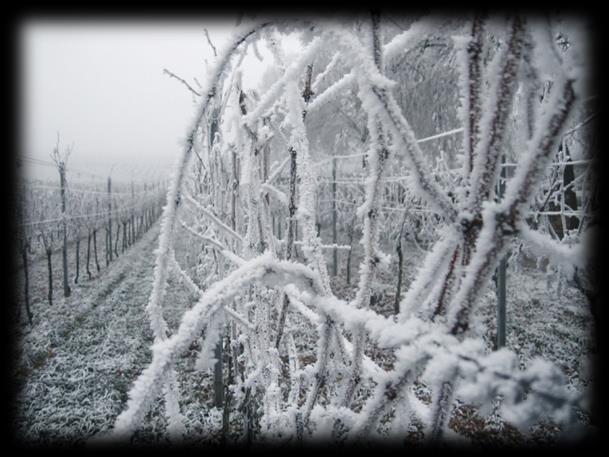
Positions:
(546, 318)
(78, 361)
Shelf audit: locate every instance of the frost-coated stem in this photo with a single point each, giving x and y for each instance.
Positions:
(571, 257)
(435, 261)
(381, 100)
(377, 158)
(441, 407)
(214, 218)
(158, 324)
(290, 241)
(294, 367)
(390, 389)
(312, 247)
(531, 85)
(492, 129)
(424, 348)
(447, 284)
(291, 235)
(264, 270)
(398, 291)
(472, 80)
(168, 222)
(502, 220)
(283, 83)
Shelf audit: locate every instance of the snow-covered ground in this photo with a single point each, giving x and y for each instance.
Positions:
(80, 358)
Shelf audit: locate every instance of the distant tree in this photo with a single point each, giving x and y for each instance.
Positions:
(60, 160)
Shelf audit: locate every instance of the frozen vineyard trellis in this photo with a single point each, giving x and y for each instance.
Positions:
(227, 199)
(123, 212)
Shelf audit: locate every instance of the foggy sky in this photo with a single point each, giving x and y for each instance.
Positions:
(102, 87)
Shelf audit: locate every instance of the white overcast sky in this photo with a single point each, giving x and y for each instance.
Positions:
(101, 86)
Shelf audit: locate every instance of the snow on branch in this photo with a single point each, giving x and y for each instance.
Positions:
(377, 158)
(321, 76)
(264, 270)
(276, 172)
(469, 51)
(276, 193)
(331, 93)
(486, 155)
(559, 254)
(379, 100)
(533, 165)
(403, 42)
(225, 228)
(168, 221)
(501, 220)
(427, 339)
(230, 256)
(158, 324)
(195, 290)
(207, 239)
(435, 261)
(291, 74)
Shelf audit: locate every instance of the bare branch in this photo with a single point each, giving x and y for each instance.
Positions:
(211, 45)
(188, 86)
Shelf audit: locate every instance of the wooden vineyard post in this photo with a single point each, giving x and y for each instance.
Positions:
(501, 275)
(64, 251)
